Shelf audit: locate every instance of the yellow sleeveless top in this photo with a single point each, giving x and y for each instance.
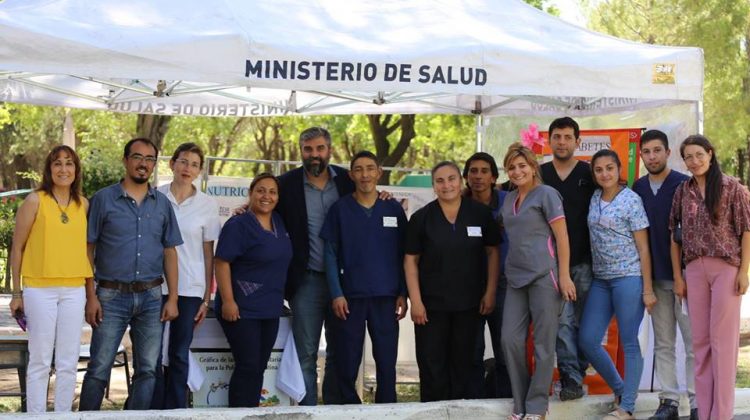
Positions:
(55, 253)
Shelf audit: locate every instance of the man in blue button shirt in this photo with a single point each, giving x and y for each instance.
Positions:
(132, 235)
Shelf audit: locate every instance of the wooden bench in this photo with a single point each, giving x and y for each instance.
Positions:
(14, 354)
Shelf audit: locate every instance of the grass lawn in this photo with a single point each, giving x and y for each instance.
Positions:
(743, 362)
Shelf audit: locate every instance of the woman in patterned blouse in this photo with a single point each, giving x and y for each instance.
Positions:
(713, 214)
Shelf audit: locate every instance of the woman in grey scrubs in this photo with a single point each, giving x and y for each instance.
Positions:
(538, 277)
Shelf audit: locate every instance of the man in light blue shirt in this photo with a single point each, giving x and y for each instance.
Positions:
(132, 235)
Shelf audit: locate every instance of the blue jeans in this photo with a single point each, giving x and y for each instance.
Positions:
(570, 360)
(501, 386)
(311, 307)
(142, 312)
(170, 390)
(622, 297)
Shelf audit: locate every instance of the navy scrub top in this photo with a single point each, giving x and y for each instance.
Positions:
(259, 260)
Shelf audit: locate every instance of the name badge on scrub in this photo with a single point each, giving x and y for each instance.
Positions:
(389, 221)
(474, 231)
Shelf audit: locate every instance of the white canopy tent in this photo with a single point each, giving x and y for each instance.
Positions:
(287, 57)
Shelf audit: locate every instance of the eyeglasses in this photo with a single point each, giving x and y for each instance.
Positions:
(140, 158)
(185, 162)
(700, 156)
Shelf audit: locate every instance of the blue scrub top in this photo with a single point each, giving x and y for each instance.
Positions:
(258, 260)
(370, 246)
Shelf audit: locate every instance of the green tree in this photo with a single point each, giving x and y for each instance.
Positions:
(721, 28)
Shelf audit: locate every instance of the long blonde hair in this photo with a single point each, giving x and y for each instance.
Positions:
(519, 150)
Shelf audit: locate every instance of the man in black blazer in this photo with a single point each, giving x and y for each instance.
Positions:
(305, 195)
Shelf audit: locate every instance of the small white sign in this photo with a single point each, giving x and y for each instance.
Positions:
(474, 231)
(390, 221)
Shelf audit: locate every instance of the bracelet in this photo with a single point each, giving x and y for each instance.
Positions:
(647, 293)
(205, 303)
(17, 294)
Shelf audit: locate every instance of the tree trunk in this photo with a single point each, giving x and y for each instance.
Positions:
(153, 127)
(380, 128)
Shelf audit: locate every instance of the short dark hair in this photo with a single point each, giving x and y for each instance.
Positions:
(128, 145)
(651, 135)
(564, 122)
(363, 154)
(260, 177)
(314, 133)
(187, 148)
(485, 157)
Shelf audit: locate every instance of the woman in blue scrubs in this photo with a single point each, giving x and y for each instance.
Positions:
(251, 262)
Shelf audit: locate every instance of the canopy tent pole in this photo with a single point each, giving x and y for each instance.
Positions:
(480, 132)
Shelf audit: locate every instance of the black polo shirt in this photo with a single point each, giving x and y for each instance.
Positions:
(452, 263)
(576, 192)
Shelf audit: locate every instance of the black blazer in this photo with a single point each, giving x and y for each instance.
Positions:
(292, 208)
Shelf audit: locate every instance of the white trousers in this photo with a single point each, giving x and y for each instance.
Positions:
(54, 317)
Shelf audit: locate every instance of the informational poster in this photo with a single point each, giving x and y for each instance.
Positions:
(624, 141)
(218, 367)
(229, 192)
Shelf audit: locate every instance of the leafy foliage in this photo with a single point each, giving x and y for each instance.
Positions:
(720, 27)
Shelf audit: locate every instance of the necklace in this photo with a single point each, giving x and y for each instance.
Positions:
(63, 215)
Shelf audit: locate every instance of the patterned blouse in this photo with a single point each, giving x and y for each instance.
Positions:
(611, 227)
(702, 238)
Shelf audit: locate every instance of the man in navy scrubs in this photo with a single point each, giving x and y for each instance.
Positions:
(364, 266)
(657, 189)
(481, 173)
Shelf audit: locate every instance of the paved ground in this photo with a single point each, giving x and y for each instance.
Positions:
(118, 390)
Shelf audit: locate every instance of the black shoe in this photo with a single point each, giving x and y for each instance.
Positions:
(667, 411)
(570, 390)
(693, 414)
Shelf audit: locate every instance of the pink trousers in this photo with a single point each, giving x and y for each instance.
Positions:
(714, 310)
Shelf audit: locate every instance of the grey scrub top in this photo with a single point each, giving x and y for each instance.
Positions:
(532, 249)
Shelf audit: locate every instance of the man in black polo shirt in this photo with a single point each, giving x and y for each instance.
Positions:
(572, 178)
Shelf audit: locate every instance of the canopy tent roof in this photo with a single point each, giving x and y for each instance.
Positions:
(238, 57)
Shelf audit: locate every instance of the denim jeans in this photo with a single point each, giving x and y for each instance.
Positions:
(311, 307)
(170, 390)
(142, 312)
(501, 387)
(570, 360)
(622, 297)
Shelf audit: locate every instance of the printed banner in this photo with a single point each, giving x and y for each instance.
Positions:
(624, 141)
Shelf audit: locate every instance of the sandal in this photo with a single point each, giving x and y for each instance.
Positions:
(619, 414)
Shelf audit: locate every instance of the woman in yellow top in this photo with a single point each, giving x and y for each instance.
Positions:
(49, 255)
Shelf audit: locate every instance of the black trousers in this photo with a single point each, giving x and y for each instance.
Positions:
(251, 341)
(445, 349)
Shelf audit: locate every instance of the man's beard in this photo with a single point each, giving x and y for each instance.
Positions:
(661, 169)
(139, 180)
(310, 166)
